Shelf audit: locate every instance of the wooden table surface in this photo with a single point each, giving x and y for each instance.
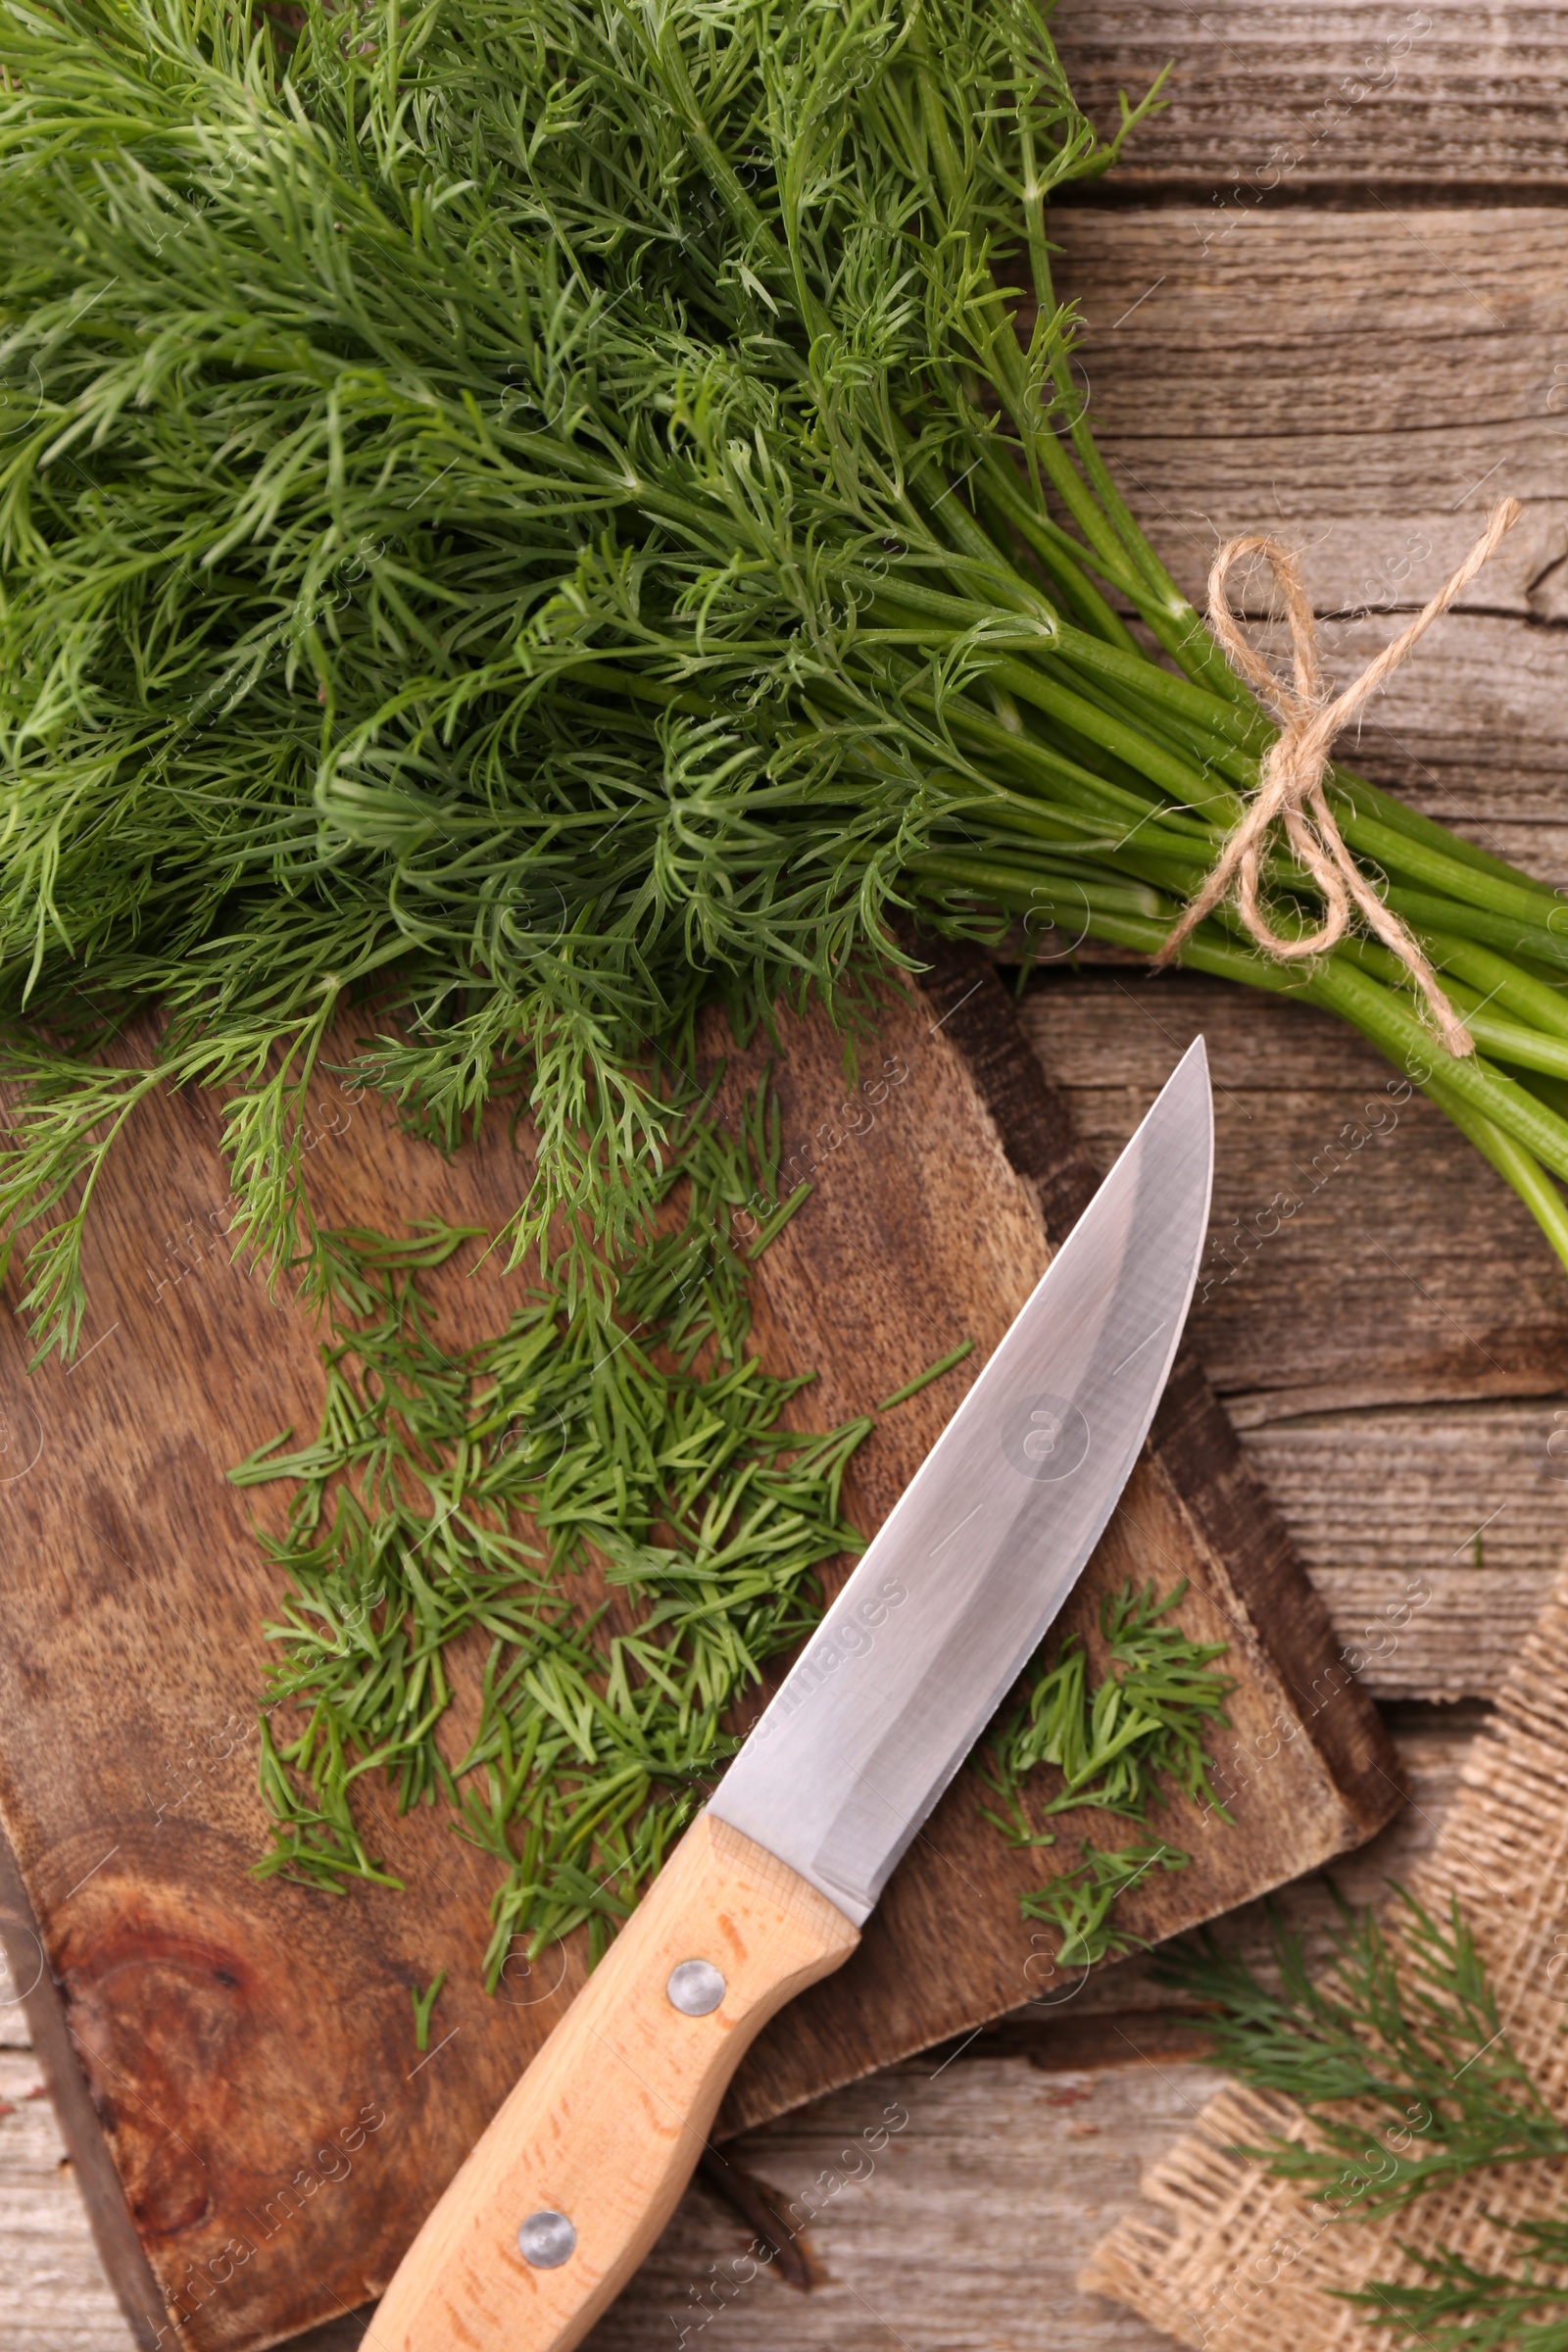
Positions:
(1325, 297)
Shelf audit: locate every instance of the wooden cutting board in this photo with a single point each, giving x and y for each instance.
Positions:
(235, 2065)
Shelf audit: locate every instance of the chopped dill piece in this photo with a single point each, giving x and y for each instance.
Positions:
(1112, 1742)
(923, 1380)
(423, 2003)
(774, 1225)
(1118, 1744)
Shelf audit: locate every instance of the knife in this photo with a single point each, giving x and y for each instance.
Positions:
(584, 2164)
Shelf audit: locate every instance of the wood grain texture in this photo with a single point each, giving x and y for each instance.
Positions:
(605, 2129)
(1275, 100)
(250, 2048)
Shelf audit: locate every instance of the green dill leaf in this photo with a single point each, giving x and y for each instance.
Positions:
(1462, 2307)
(1112, 1744)
(1078, 1903)
(423, 2003)
(1120, 1744)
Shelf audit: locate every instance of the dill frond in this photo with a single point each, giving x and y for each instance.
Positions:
(1464, 2309)
(1079, 1904)
(1140, 1724)
(1397, 2051)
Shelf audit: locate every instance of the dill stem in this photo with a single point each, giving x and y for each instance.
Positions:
(923, 1380)
(1515, 1164)
(1494, 979)
(1533, 1137)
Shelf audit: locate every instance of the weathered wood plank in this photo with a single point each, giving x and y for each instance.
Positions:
(1463, 1639)
(1431, 336)
(1269, 100)
(1364, 385)
(53, 2293)
(1372, 1501)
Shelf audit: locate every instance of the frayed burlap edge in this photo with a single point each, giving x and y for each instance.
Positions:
(1225, 2254)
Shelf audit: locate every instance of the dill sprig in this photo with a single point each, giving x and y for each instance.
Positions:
(516, 519)
(1118, 1744)
(423, 2003)
(604, 1501)
(1079, 1903)
(1395, 2050)
(1465, 2309)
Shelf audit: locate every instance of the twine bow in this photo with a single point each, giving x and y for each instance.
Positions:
(1290, 785)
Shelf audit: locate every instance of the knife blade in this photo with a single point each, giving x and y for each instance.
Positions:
(577, 2172)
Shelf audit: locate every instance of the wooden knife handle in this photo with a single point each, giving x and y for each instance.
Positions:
(586, 2160)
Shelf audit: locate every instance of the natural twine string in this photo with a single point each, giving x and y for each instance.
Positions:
(1290, 785)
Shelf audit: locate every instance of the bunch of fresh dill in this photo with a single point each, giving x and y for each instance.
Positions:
(606, 1506)
(1119, 1744)
(1399, 2055)
(523, 515)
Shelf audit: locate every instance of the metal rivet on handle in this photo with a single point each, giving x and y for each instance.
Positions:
(546, 2240)
(695, 1988)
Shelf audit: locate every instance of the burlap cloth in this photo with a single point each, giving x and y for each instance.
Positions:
(1229, 2255)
